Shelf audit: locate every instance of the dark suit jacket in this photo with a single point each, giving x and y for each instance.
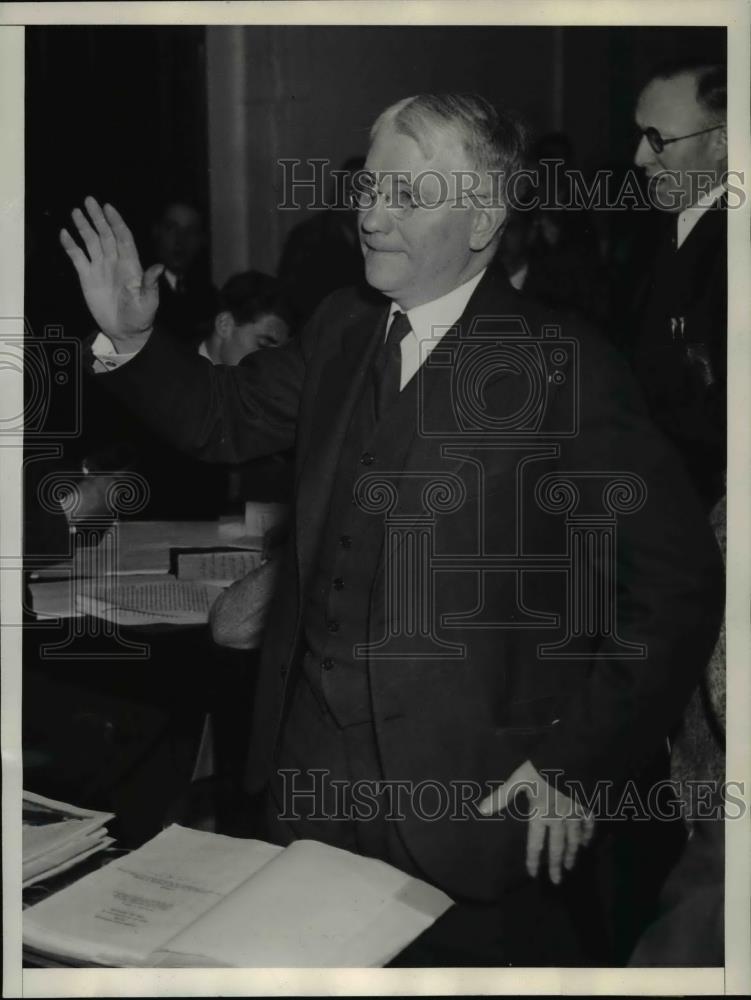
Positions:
(683, 373)
(475, 717)
(187, 315)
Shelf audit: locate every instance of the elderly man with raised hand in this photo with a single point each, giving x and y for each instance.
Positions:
(430, 655)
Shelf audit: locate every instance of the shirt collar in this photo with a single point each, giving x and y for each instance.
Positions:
(690, 216)
(204, 352)
(432, 318)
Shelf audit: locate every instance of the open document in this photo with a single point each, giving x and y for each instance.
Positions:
(190, 898)
(128, 600)
(139, 547)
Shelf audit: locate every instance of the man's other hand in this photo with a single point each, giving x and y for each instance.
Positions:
(121, 297)
(551, 814)
(238, 616)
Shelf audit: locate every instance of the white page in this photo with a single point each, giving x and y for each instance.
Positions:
(165, 598)
(62, 866)
(53, 599)
(47, 824)
(122, 913)
(129, 600)
(220, 567)
(144, 546)
(314, 906)
(56, 855)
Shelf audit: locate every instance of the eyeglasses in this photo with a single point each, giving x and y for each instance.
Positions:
(657, 143)
(400, 200)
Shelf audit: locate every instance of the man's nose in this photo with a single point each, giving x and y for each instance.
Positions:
(644, 153)
(377, 218)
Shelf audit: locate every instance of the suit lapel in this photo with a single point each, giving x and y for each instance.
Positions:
(406, 436)
(428, 402)
(342, 380)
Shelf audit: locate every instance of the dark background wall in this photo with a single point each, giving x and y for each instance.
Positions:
(119, 113)
(124, 113)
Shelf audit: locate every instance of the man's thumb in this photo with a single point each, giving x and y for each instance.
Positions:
(151, 276)
(497, 801)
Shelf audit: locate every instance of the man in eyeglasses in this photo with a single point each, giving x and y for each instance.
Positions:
(681, 344)
(428, 692)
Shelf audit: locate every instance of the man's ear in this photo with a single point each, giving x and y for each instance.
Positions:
(224, 325)
(486, 224)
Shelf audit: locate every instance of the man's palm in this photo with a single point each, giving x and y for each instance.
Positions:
(121, 297)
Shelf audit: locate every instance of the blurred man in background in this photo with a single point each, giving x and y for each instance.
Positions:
(680, 347)
(186, 296)
(322, 253)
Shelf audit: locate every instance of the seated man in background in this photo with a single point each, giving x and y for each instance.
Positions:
(251, 316)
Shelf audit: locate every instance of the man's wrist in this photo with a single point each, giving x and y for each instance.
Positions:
(130, 344)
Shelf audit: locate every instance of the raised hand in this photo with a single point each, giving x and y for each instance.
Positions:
(121, 297)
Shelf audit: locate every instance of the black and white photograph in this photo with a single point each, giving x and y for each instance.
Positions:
(375, 458)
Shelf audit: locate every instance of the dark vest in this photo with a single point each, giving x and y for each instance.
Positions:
(336, 617)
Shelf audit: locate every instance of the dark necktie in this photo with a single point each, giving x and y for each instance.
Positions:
(388, 366)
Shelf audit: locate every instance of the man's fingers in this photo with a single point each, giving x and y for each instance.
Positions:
(101, 225)
(88, 235)
(80, 260)
(151, 276)
(123, 235)
(556, 845)
(573, 841)
(535, 843)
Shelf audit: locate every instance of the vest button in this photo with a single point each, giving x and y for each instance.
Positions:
(366, 458)
(345, 541)
(332, 626)
(338, 583)
(327, 664)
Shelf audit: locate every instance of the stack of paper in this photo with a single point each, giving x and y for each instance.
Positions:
(57, 836)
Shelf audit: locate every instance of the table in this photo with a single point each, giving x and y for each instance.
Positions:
(122, 735)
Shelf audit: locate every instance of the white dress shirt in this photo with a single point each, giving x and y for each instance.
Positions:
(517, 279)
(170, 278)
(690, 216)
(429, 323)
(204, 352)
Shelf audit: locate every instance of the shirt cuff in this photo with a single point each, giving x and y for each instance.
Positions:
(106, 358)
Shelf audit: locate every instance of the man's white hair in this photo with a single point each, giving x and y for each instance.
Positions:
(491, 140)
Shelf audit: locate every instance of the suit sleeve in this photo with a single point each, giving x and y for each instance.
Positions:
(216, 413)
(669, 587)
